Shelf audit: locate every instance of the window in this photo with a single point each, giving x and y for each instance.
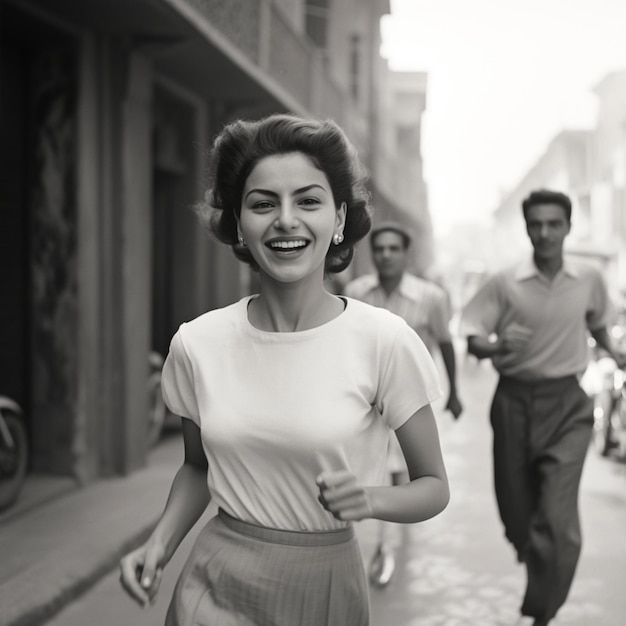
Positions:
(316, 15)
(355, 66)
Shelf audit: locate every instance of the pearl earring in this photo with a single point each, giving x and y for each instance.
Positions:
(242, 241)
(337, 238)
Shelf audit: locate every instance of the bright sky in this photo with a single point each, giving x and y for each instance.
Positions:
(505, 76)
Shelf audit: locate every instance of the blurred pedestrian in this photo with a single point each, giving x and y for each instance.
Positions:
(288, 397)
(425, 307)
(532, 320)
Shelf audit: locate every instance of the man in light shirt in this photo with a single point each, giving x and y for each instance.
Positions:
(425, 307)
(532, 321)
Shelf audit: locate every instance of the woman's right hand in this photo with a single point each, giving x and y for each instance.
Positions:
(141, 571)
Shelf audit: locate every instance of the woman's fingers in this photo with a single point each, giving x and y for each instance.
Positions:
(344, 492)
(341, 495)
(151, 572)
(156, 583)
(131, 567)
(141, 572)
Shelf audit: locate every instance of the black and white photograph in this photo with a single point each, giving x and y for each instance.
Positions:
(313, 312)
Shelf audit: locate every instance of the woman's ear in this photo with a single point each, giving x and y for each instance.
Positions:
(341, 217)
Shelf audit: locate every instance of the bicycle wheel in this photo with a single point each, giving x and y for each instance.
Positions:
(619, 425)
(13, 459)
(156, 409)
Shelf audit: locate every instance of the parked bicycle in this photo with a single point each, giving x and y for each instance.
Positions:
(156, 406)
(13, 451)
(609, 414)
(606, 384)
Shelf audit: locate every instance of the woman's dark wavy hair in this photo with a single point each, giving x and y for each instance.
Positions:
(242, 144)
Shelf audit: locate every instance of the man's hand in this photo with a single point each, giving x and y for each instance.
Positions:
(514, 338)
(454, 405)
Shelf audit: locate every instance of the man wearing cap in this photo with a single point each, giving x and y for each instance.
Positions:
(425, 307)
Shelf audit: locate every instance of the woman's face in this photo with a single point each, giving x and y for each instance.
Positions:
(288, 217)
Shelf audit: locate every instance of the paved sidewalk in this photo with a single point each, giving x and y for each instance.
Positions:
(54, 551)
(454, 570)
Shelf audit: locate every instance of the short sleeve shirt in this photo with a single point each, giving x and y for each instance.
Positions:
(558, 312)
(277, 409)
(422, 304)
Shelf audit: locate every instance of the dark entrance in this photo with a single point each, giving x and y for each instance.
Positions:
(38, 311)
(171, 202)
(15, 311)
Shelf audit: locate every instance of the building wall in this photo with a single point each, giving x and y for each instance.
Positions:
(609, 171)
(564, 166)
(151, 86)
(590, 166)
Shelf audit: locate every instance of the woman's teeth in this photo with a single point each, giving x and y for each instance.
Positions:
(287, 245)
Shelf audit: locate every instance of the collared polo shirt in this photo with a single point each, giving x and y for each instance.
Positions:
(558, 312)
(422, 304)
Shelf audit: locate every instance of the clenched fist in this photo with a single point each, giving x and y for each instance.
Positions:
(343, 496)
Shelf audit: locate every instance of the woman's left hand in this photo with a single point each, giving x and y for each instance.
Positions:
(343, 496)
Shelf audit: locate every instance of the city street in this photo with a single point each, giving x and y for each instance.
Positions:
(163, 160)
(456, 569)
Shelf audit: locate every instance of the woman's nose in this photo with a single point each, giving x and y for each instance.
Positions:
(287, 218)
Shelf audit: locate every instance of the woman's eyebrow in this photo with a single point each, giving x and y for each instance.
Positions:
(308, 187)
(267, 192)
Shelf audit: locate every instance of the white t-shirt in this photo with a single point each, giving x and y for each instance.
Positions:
(277, 409)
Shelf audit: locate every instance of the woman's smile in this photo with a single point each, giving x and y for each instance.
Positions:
(287, 247)
(289, 217)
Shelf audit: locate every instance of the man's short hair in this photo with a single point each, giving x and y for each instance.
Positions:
(391, 227)
(547, 196)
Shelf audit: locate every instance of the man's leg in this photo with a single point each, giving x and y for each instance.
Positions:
(512, 480)
(383, 563)
(560, 431)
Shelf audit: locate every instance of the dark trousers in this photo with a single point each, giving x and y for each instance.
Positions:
(541, 433)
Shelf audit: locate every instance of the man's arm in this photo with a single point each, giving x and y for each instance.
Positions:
(449, 360)
(604, 340)
(513, 339)
(439, 327)
(483, 347)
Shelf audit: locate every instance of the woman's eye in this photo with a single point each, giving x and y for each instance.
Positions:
(310, 202)
(263, 204)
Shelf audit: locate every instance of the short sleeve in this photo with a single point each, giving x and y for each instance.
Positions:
(440, 317)
(599, 305)
(409, 378)
(177, 381)
(482, 313)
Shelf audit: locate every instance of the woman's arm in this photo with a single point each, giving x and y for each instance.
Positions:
(189, 494)
(426, 495)
(188, 498)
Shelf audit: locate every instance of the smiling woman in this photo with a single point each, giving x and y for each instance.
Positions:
(288, 398)
(244, 143)
(288, 218)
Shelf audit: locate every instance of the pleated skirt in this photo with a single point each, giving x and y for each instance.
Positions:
(240, 574)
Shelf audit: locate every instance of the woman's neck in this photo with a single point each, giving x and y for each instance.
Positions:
(293, 307)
